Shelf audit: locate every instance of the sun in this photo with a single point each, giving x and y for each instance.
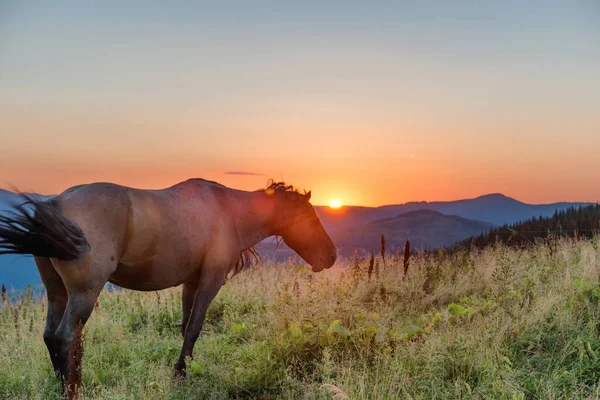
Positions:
(335, 204)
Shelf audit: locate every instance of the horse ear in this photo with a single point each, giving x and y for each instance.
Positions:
(307, 196)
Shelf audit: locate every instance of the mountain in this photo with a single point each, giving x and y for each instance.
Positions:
(424, 228)
(496, 209)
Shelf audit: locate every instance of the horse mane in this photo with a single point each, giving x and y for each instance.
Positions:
(247, 259)
(279, 187)
(250, 256)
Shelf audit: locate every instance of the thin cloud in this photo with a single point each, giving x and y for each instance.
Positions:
(242, 173)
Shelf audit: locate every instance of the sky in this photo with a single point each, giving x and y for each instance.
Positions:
(368, 103)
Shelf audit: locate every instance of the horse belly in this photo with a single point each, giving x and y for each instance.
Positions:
(150, 275)
(157, 252)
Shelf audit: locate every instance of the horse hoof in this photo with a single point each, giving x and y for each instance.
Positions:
(179, 375)
(179, 378)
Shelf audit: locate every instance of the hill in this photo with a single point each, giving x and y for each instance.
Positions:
(578, 222)
(502, 323)
(496, 209)
(424, 228)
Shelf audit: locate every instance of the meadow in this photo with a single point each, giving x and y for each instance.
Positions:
(497, 323)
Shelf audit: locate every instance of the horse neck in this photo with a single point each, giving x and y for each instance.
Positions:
(255, 216)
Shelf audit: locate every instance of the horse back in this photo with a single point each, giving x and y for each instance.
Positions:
(100, 210)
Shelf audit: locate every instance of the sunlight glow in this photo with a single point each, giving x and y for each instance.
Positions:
(335, 204)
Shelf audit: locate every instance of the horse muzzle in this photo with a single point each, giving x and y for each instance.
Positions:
(325, 263)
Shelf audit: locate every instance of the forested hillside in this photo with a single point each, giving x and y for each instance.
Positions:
(578, 222)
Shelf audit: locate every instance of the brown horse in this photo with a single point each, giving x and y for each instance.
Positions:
(192, 234)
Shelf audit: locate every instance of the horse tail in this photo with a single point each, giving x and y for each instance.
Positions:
(38, 227)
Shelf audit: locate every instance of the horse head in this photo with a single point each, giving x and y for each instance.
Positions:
(300, 227)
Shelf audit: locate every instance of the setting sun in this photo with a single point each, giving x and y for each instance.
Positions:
(335, 204)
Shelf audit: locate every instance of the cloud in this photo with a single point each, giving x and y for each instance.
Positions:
(242, 173)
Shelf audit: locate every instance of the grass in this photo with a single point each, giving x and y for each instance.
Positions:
(497, 323)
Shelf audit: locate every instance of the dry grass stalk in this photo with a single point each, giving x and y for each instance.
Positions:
(406, 257)
(4, 296)
(578, 229)
(356, 267)
(383, 249)
(549, 244)
(371, 265)
(15, 315)
(73, 384)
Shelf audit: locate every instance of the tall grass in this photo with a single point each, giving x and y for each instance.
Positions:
(497, 323)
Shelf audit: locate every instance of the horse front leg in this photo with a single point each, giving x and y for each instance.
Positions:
(208, 288)
(187, 301)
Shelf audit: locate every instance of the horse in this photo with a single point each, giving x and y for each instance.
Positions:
(195, 233)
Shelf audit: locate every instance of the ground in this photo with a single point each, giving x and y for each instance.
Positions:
(499, 323)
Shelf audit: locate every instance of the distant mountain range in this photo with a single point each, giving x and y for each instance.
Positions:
(426, 224)
(495, 209)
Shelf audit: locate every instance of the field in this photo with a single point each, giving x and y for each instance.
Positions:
(496, 323)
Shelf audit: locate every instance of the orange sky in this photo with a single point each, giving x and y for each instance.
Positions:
(368, 163)
(367, 106)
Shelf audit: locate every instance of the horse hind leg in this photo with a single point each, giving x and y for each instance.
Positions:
(79, 309)
(57, 302)
(84, 280)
